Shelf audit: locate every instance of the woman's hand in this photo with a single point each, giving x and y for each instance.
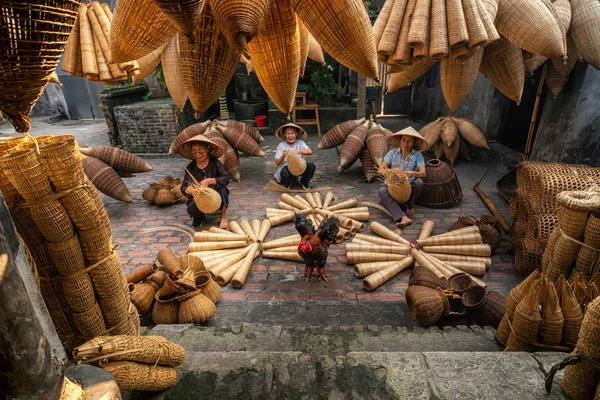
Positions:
(188, 190)
(409, 173)
(208, 181)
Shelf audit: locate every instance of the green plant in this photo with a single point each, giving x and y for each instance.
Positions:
(319, 81)
(160, 77)
(372, 10)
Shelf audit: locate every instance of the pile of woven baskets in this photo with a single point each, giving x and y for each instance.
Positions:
(539, 312)
(177, 291)
(453, 137)
(359, 138)
(60, 217)
(534, 207)
(165, 192)
(106, 165)
(232, 136)
(441, 187)
(454, 256)
(144, 363)
(488, 225)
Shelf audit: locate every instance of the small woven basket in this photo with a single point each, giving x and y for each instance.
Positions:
(195, 308)
(399, 187)
(441, 188)
(422, 276)
(146, 377)
(426, 305)
(296, 164)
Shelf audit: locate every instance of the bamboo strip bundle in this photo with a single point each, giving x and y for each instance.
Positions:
(481, 250)
(224, 277)
(280, 219)
(236, 228)
(255, 227)
(487, 261)
(290, 256)
(375, 240)
(361, 216)
(318, 200)
(294, 202)
(205, 236)
(366, 269)
(285, 249)
(386, 233)
(377, 279)
(281, 242)
(285, 206)
(472, 238)
(328, 199)
(373, 248)
(351, 203)
(240, 276)
(473, 268)
(402, 51)
(365, 257)
(200, 246)
(426, 231)
(311, 200)
(265, 226)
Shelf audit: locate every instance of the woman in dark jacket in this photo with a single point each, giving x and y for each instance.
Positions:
(208, 171)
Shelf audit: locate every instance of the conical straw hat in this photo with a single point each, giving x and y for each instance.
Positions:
(420, 142)
(185, 149)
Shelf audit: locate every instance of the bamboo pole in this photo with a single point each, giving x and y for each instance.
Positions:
(235, 227)
(459, 258)
(205, 236)
(375, 240)
(311, 199)
(397, 249)
(480, 250)
(386, 233)
(328, 199)
(200, 246)
(366, 269)
(265, 226)
(471, 238)
(240, 276)
(318, 200)
(282, 256)
(359, 258)
(350, 203)
(377, 279)
(286, 198)
(247, 228)
(284, 241)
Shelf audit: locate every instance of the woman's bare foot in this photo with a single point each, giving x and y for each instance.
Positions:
(410, 212)
(404, 222)
(223, 223)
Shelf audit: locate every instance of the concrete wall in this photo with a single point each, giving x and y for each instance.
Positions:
(569, 130)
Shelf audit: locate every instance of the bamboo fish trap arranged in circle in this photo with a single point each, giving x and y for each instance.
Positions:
(441, 188)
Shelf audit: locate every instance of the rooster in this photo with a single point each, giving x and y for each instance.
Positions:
(314, 246)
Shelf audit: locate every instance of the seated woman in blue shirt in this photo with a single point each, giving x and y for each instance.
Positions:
(404, 156)
(292, 141)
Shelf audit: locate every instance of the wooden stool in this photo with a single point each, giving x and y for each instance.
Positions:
(304, 106)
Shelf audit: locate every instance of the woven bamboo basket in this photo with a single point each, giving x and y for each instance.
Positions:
(579, 380)
(242, 141)
(164, 197)
(148, 63)
(588, 335)
(586, 257)
(195, 308)
(144, 377)
(25, 173)
(243, 127)
(386, 43)
(480, 250)
(172, 72)
(90, 323)
(458, 34)
(458, 76)
(208, 63)
(441, 187)
(527, 318)
(470, 238)
(344, 30)
(138, 28)
(373, 248)
(398, 186)
(183, 14)
(386, 233)
(206, 236)
(426, 305)
(488, 312)
(69, 63)
(240, 20)
(315, 52)
(338, 134)
(189, 262)
(281, 242)
(275, 52)
(585, 30)
(53, 221)
(503, 64)
(311, 200)
(67, 256)
(365, 269)
(378, 278)
(431, 132)
(31, 49)
(230, 158)
(105, 179)
(364, 257)
(169, 262)
(142, 296)
(353, 145)
(140, 274)
(293, 201)
(471, 132)
(533, 61)
(64, 170)
(165, 310)
(346, 204)
(381, 22)
(368, 165)
(303, 201)
(448, 132)
(451, 152)
(552, 317)
(247, 228)
(95, 243)
(188, 133)
(203, 246)
(463, 221)
(208, 200)
(85, 208)
(358, 214)
(408, 74)
(438, 34)
(265, 227)
(418, 32)
(572, 57)
(240, 276)
(377, 143)
(208, 286)
(79, 293)
(296, 164)
(282, 256)
(422, 276)
(224, 276)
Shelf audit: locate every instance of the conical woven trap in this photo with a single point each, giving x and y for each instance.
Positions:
(441, 187)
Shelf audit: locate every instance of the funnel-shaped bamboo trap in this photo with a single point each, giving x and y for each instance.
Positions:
(240, 20)
(172, 73)
(184, 14)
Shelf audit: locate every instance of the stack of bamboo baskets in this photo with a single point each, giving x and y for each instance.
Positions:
(451, 256)
(165, 192)
(88, 53)
(446, 135)
(534, 208)
(228, 254)
(317, 208)
(60, 217)
(137, 363)
(359, 138)
(232, 136)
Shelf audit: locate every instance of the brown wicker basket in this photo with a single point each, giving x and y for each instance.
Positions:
(195, 308)
(426, 305)
(240, 20)
(184, 14)
(353, 145)
(422, 276)
(137, 376)
(486, 307)
(503, 64)
(457, 77)
(398, 186)
(441, 187)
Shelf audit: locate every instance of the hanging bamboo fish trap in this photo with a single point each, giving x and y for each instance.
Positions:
(275, 52)
(105, 179)
(208, 63)
(172, 72)
(503, 64)
(240, 20)
(353, 145)
(34, 35)
(184, 14)
(148, 63)
(457, 77)
(408, 74)
(369, 168)
(441, 187)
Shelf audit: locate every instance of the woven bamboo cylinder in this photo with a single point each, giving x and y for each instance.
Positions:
(293, 201)
(172, 73)
(290, 256)
(265, 226)
(285, 206)
(391, 30)
(281, 242)
(169, 261)
(471, 238)
(318, 199)
(240, 276)
(477, 32)
(88, 53)
(217, 265)
(104, 72)
(139, 274)
(503, 64)
(382, 21)
(315, 52)
(347, 204)
(183, 14)
(438, 33)
(236, 228)
(311, 200)
(467, 230)
(338, 134)
(137, 376)
(585, 30)
(353, 145)
(378, 278)
(426, 229)
(255, 227)
(365, 257)
(202, 246)
(69, 62)
(224, 276)
(397, 249)
(345, 222)
(247, 228)
(457, 77)
(105, 179)
(285, 249)
(329, 197)
(470, 267)
(362, 215)
(278, 211)
(487, 261)
(205, 236)
(366, 269)
(241, 140)
(402, 52)
(214, 254)
(487, 18)
(424, 261)
(411, 72)
(542, 34)
(369, 168)
(214, 229)
(480, 250)
(386, 233)
(419, 25)
(457, 26)
(275, 52)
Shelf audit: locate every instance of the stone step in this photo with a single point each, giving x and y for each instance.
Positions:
(362, 375)
(332, 340)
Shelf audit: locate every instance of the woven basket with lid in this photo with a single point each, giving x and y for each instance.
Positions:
(441, 187)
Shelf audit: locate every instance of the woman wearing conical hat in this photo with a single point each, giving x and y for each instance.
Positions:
(404, 156)
(292, 141)
(208, 171)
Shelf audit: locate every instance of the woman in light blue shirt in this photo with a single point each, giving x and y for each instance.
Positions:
(292, 141)
(404, 156)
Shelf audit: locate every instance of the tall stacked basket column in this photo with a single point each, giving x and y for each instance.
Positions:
(71, 242)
